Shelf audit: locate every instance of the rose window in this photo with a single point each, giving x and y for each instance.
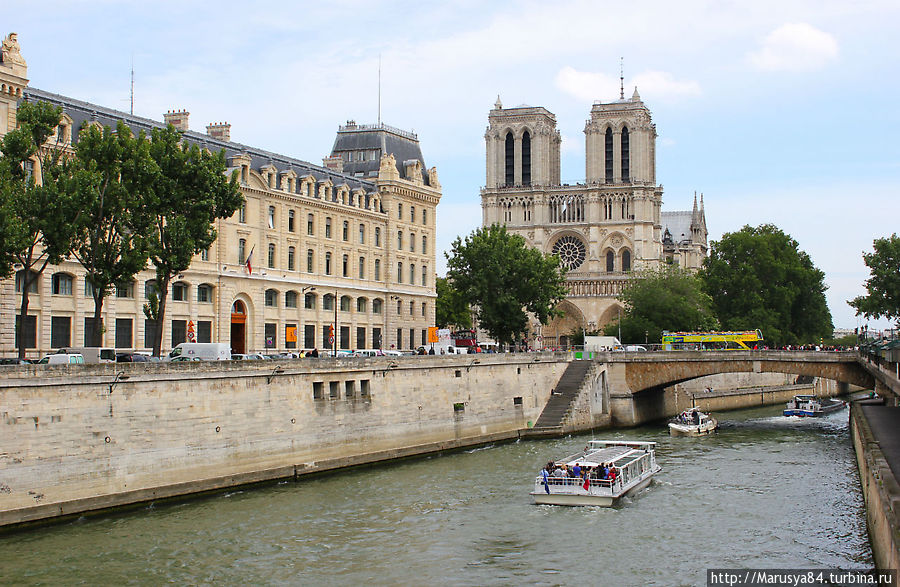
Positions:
(571, 252)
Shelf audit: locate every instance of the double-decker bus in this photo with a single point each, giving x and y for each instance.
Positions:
(742, 340)
(464, 339)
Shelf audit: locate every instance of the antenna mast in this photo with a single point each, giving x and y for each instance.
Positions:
(132, 84)
(379, 89)
(621, 78)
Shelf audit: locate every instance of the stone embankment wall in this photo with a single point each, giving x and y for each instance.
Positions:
(881, 492)
(76, 439)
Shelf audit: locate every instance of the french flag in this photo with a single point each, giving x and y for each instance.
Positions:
(250, 256)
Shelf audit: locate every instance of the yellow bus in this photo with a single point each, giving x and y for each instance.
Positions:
(743, 340)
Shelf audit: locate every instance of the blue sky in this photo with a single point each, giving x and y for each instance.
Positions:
(778, 111)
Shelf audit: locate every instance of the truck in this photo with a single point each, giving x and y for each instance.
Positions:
(601, 343)
(205, 351)
(91, 354)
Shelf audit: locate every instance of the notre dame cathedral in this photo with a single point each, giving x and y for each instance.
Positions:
(602, 229)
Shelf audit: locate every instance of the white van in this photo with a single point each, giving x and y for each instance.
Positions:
(62, 359)
(205, 351)
(92, 354)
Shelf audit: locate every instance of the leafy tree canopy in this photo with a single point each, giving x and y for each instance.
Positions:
(758, 278)
(451, 308)
(504, 279)
(883, 287)
(668, 298)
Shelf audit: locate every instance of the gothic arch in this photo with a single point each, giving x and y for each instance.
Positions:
(557, 332)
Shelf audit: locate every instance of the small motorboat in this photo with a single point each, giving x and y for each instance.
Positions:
(693, 422)
(812, 406)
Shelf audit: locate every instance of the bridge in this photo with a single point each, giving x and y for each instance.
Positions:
(630, 388)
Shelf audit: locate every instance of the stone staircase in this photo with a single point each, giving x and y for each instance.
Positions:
(552, 418)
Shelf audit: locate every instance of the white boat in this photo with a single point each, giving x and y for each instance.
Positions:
(812, 406)
(634, 464)
(693, 422)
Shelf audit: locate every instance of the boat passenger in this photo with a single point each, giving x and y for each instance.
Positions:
(612, 474)
(576, 471)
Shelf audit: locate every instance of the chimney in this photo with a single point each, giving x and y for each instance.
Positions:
(219, 130)
(178, 119)
(333, 162)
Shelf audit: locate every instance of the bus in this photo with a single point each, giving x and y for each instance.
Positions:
(744, 340)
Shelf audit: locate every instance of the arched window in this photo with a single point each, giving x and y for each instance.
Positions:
(609, 155)
(412, 273)
(345, 233)
(625, 155)
(399, 240)
(290, 299)
(290, 221)
(377, 236)
(510, 159)
(362, 234)
(345, 266)
(362, 267)
(345, 303)
(626, 260)
(376, 306)
(361, 304)
(328, 227)
(204, 293)
(62, 284)
(610, 261)
(271, 298)
(328, 302)
(526, 158)
(309, 301)
(271, 217)
(310, 224)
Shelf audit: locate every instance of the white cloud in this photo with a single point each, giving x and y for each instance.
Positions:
(795, 47)
(589, 86)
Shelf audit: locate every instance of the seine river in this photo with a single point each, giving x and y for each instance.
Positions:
(767, 491)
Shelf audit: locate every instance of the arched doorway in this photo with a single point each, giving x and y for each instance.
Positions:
(238, 327)
(556, 333)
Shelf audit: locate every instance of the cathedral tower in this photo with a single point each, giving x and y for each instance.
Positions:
(522, 147)
(620, 143)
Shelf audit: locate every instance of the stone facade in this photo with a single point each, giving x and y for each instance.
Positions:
(601, 229)
(312, 245)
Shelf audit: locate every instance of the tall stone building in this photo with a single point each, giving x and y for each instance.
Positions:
(350, 241)
(602, 229)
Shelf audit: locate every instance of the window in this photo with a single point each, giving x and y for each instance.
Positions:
(60, 331)
(290, 299)
(62, 286)
(204, 293)
(412, 273)
(290, 336)
(290, 221)
(377, 269)
(626, 168)
(399, 211)
(510, 158)
(360, 340)
(424, 216)
(526, 158)
(399, 338)
(377, 236)
(345, 303)
(309, 302)
(179, 332)
(412, 214)
(149, 333)
(424, 245)
(361, 304)
(610, 261)
(362, 234)
(179, 292)
(424, 308)
(271, 298)
(412, 308)
(204, 255)
(271, 217)
(32, 277)
(204, 331)
(242, 213)
(399, 240)
(345, 231)
(309, 260)
(399, 307)
(608, 148)
(328, 302)
(271, 258)
(412, 243)
(309, 336)
(399, 272)
(345, 266)
(242, 251)
(424, 274)
(310, 225)
(125, 290)
(88, 289)
(377, 306)
(270, 330)
(328, 228)
(150, 288)
(290, 258)
(123, 333)
(626, 260)
(376, 339)
(90, 339)
(362, 267)
(327, 263)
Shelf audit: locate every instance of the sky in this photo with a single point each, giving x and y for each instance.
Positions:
(777, 111)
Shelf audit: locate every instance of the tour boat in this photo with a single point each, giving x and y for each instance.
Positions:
(634, 464)
(810, 405)
(693, 422)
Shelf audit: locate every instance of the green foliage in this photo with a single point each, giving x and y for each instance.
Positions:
(759, 279)
(189, 192)
(111, 177)
(504, 279)
(668, 298)
(451, 308)
(36, 216)
(883, 287)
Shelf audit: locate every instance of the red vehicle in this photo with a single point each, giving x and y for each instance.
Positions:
(464, 339)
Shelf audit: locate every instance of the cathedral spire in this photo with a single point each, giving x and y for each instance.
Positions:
(622, 78)
(498, 105)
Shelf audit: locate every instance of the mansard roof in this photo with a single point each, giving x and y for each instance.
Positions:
(355, 138)
(82, 112)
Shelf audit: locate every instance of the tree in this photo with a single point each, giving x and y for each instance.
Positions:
(758, 278)
(668, 298)
(189, 194)
(503, 279)
(451, 308)
(37, 216)
(883, 287)
(111, 177)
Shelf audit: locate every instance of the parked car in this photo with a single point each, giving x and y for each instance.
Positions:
(131, 358)
(184, 359)
(14, 361)
(62, 359)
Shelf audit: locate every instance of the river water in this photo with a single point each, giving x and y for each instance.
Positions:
(767, 491)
